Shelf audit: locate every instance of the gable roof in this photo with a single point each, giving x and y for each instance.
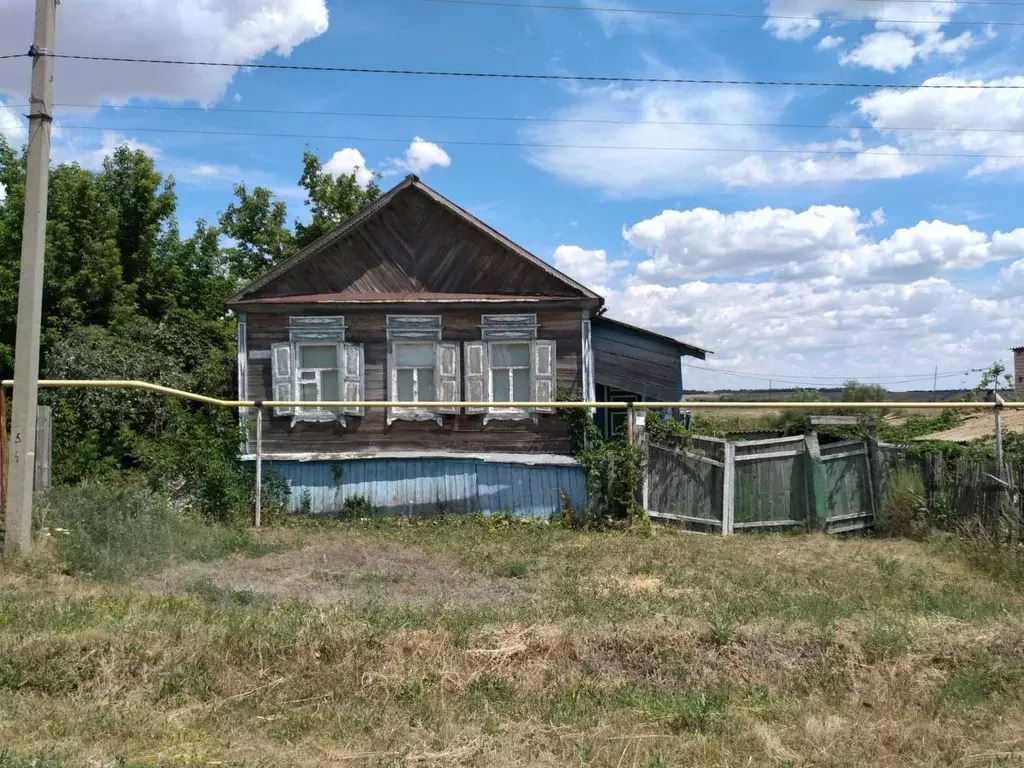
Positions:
(348, 227)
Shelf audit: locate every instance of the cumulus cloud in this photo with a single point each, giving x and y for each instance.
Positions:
(892, 50)
(652, 141)
(783, 244)
(995, 114)
(12, 126)
(91, 156)
(238, 31)
(828, 42)
(348, 161)
(592, 268)
(206, 171)
(421, 156)
(840, 330)
(837, 161)
(905, 30)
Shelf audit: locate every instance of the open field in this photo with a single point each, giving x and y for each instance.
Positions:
(507, 644)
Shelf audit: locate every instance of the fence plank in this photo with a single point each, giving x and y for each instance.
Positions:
(729, 489)
(817, 495)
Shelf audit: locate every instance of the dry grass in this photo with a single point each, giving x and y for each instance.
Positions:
(541, 646)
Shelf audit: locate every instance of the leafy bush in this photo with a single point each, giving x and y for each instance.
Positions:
(119, 532)
(904, 511)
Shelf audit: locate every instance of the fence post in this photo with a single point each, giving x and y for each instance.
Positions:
(3, 447)
(729, 489)
(999, 434)
(259, 463)
(817, 491)
(44, 448)
(642, 443)
(876, 471)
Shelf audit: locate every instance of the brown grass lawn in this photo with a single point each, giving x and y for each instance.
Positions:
(492, 643)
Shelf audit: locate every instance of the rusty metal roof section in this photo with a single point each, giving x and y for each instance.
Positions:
(350, 227)
(417, 297)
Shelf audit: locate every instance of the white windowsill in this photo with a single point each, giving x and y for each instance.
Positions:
(509, 414)
(413, 414)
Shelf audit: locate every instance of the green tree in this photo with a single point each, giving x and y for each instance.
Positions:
(331, 199)
(857, 392)
(258, 225)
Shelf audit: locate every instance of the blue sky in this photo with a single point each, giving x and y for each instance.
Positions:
(850, 253)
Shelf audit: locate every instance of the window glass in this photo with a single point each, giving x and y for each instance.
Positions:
(307, 392)
(318, 356)
(330, 391)
(414, 355)
(501, 392)
(426, 382)
(405, 385)
(508, 355)
(521, 385)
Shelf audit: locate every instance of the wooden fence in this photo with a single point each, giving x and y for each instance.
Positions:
(772, 484)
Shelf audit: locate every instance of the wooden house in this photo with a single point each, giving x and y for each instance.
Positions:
(416, 300)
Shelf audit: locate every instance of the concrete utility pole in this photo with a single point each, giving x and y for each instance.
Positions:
(30, 292)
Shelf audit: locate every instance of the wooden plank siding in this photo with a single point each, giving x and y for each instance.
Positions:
(636, 363)
(428, 486)
(462, 433)
(415, 245)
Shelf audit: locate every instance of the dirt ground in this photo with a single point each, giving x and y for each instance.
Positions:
(349, 567)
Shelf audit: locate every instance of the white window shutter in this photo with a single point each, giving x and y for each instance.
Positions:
(448, 376)
(477, 376)
(282, 376)
(353, 377)
(544, 366)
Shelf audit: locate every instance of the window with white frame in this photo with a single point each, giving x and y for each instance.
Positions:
(511, 365)
(510, 372)
(422, 368)
(415, 364)
(317, 366)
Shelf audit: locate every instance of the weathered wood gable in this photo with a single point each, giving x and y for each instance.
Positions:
(413, 241)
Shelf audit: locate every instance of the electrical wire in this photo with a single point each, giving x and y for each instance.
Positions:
(538, 145)
(518, 119)
(723, 14)
(783, 379)
(537, 76)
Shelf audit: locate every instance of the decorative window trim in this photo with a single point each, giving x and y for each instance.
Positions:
(286, 373)
(479, 380)
(425, 330)
(508, 327)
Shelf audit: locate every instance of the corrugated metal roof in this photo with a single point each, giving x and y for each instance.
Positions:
(407, 298)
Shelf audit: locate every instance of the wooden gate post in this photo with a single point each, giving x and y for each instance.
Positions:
(729, 490)
(816, 485)
(640, 429)
(876, 471)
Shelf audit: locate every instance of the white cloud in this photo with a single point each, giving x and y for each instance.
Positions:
(206, 171)
(996, 114)
(905, 30)
(592, 268)
(827, 240)
(828, 42)
(833, 162)
(922, 17)
(347, 161)
(892, 50)
(825, 328)
(239, 31)
(91, 157)
(12, 126)
(421, 156)
(1012, 279)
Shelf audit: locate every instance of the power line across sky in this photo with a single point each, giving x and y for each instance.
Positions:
(537, 76)
(517, 118)
(829, 152)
